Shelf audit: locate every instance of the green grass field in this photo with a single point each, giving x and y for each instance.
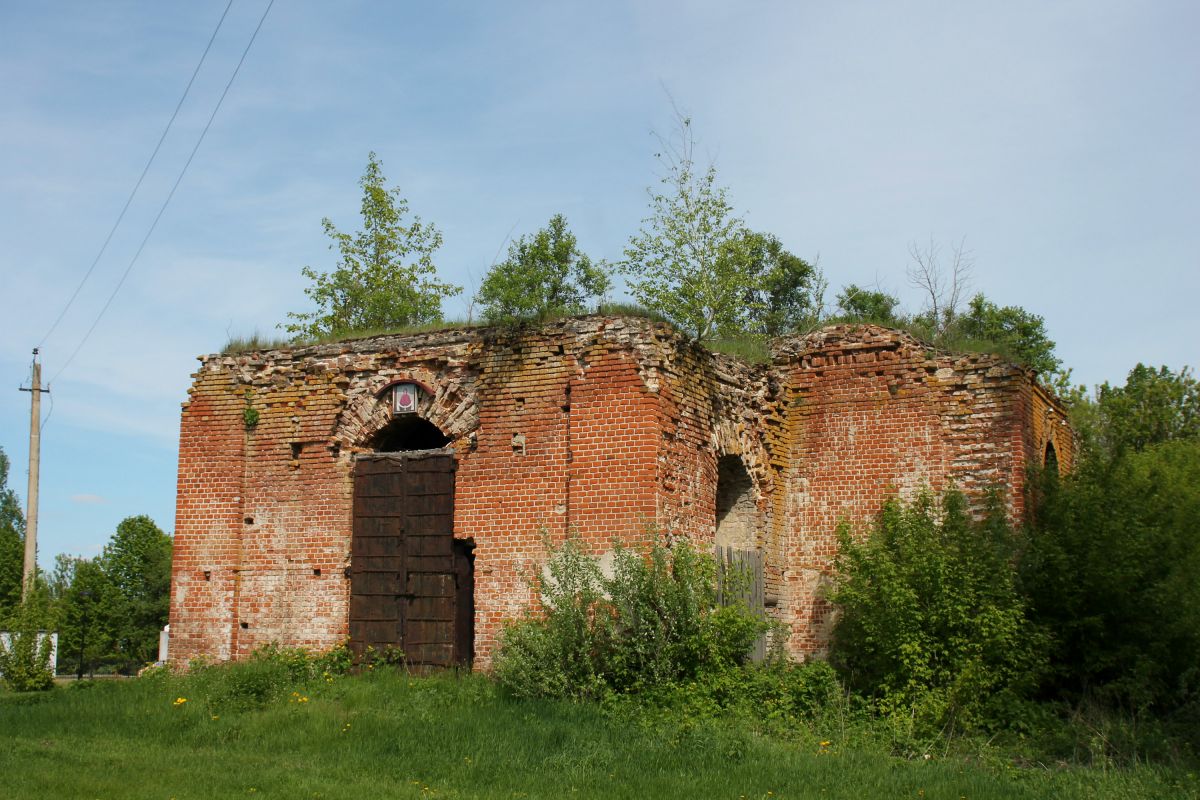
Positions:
(389, 735)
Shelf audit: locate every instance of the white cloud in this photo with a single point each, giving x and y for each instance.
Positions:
(88, 499)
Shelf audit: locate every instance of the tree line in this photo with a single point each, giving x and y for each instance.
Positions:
(693, 261)
(107, 610)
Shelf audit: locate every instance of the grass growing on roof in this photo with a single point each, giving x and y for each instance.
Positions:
(751, 348)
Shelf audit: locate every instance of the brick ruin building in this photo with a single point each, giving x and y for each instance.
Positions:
(398, 490)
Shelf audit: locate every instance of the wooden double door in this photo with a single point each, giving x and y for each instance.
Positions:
(411, 582)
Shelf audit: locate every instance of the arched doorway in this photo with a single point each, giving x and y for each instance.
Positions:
(737, 513)
(740, 561)
(412, 588)
(409, 432)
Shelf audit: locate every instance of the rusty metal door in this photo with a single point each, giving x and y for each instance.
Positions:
(408, 578)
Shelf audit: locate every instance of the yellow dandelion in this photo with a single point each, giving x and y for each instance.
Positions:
(179, 701)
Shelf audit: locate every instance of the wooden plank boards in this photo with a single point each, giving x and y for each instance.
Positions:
(411, 582)
(740, 579)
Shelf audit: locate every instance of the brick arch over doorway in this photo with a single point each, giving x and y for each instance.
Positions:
(448, 402)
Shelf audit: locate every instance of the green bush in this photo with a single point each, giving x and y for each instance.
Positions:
(932, 628)
(25, 661)
(656, 621)
(779, 693)
(561, 649)
(1113, 572)
(668, 623)
(268, 676)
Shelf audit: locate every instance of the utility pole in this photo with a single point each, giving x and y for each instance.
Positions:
(35, 457)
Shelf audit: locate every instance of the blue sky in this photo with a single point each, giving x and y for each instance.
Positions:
(1058, 139)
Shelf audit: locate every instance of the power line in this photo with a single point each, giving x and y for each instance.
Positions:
(170, 194)
(142, 177)
(50, 413)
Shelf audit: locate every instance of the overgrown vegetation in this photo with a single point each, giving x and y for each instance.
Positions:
(282, 725)
(1113, 562)
(749, 348)
(1087, 618)
(933, 628)
(632, 310)
(654, 621)
(254, 342)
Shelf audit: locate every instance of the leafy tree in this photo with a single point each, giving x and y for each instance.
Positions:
(12, 542)
(89, 610)
(684, 261)
(1153, 406)
(932, 624)
(785, 292)
(385, 277)
(137, 564)
(1021, 333)
(857, 304)
(1113, 573)
(543, 275)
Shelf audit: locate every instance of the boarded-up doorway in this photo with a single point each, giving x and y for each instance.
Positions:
(411, 582)
(740, 560)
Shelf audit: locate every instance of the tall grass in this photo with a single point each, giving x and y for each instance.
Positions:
(751, 348)
(253, 342)
(387, 734)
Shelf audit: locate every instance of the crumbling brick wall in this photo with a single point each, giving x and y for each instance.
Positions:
(874, 413)
(609, 428)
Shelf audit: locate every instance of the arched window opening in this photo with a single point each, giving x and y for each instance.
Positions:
(737, 513)
(409, 433)
(1050, 461)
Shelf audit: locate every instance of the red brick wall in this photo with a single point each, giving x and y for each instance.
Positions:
(606, 427)
(554, 431)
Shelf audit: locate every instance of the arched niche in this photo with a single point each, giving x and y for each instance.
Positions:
(737, 511)
(1050, 459)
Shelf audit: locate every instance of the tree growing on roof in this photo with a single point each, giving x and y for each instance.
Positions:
(685, 262)
(544, 274)
(385, 276)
